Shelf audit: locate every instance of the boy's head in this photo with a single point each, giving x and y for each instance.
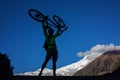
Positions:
(50, 31)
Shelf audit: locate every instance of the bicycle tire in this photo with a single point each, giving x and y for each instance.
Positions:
(59, 21)
(36, 15)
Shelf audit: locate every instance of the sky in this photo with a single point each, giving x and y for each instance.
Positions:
(90, 22)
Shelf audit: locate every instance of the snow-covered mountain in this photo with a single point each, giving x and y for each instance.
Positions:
(106, 63)
(69, 70)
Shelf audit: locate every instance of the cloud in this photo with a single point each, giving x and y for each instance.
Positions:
(98, 50)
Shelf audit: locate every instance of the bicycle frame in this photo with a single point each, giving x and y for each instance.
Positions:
(50, 22)
(55, 24)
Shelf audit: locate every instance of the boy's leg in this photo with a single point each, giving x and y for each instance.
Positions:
(45, 63)
(54, 60)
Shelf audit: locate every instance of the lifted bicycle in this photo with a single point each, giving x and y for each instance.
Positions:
(38, 16)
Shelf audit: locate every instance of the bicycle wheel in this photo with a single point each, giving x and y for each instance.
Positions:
(36, 15)
(58, 21)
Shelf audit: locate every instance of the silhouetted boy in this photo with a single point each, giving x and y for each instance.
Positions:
(50, 46)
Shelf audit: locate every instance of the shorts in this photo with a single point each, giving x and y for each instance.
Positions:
(52, 53)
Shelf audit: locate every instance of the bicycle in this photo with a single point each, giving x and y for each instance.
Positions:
(38, 16)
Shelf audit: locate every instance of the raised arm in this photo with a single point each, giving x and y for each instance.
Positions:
(44, 25)
(58, 33)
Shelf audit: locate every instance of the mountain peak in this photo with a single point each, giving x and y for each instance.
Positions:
(106, 63)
